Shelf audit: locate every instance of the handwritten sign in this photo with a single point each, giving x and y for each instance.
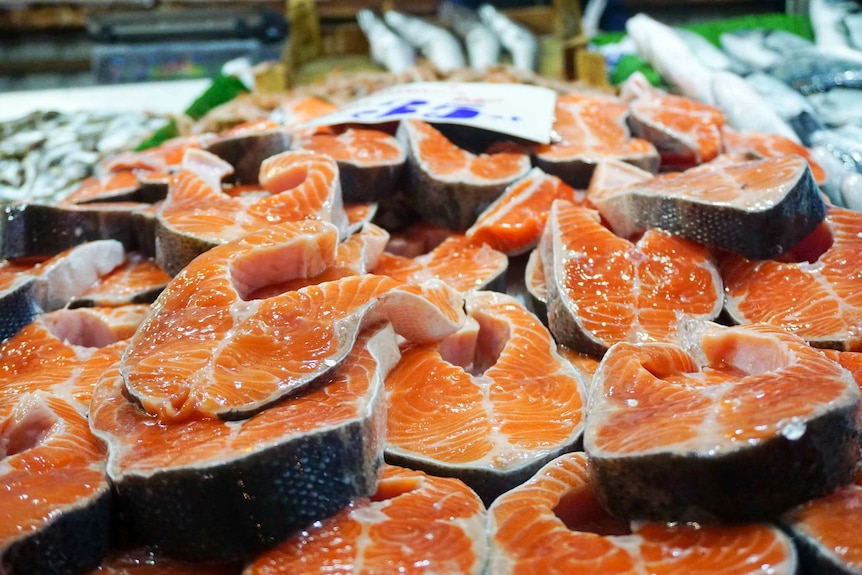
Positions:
(517, 110)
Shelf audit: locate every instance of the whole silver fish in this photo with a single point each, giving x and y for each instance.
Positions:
(851, 191)
(386, 48)
(709, 54)
(838, 106)
(520, 42)
(789, 104)
(745, 109)
(812, 70)
(437, 44)
(759, 49)
(671, 57)
(483, 47)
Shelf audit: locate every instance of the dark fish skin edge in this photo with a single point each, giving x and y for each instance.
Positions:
(18, 308)
(487, 483)
(30, 230)
(248, 505)
(813, 559)
(751, 484)
(174, 250)
(246, 153)
(577, 172)
(752, 234)
(145, 296)
(76, 542)
(368, 183)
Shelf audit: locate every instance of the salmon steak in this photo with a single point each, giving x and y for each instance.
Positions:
(121, 186)
(449, 186)
(214, 490)
(460, 262)
(64, 352)
(823, 530)
(369, 161)
(488, 405)
(820, 299)
(55, 505)
(612, 175)
(413, 524)
(554, 525)
(136, 280)
(231, 356)
(741, 423)
(603, 289)
(769, 146)
(759, 209)
(165, 158)
(198, 214)
(29, 288)
(513, 223)
(246, 145)
(591, 128)
(685, 132)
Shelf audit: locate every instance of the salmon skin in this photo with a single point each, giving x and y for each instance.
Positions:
(413, 524)
(488, 405)
(247, 145)
(603, 289)
(26, 290)
(759, 209)
(592, 128)
(761, 422)
(253, 482)
(145, 561)
(55, 505)
(817, 297)
(553, 524)
(233, 356)
(448, 186)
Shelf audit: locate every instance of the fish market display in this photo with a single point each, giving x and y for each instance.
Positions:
(46, 155)
(436, 43)
(789, 104)
(649, 284)
(413, 523)
(760, 422)
(744, 108)
(387, 48)
(554, 524)
(517, 40)
(482, 45)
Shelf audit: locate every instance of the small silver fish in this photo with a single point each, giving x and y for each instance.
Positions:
(387, 48)
(520, 42)
(483, 47)
(437, 44)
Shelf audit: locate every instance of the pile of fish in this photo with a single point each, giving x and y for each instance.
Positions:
(777, 82)
(46, 155)
(408, 348)
(478, 38)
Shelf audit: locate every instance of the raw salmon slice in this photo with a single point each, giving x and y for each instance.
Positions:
(825, 534)
(603, 289)
(247, 145)
(449, 187)
(297, 111)
(30, 288)
(369, 161)
(747, 424)
(489, 405)
(513, 223)
(414, 523)
(554, 524)
(818, 300)
(55, 512)
(251, 483)
(685, 132)
(198, 215)
(460, 262)
(769, 146)
(63, 352)
(123, 186)
(612, 175)
(137, 280)
(230, 356)
(166, 157)
(592, 128)
(759, 209)
(535, 285)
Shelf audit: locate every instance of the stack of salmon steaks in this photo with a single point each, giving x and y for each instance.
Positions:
(421, 348)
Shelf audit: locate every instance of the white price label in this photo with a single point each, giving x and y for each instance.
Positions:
(515, 109)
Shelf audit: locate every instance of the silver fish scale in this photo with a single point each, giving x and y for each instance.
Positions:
(44, 156)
